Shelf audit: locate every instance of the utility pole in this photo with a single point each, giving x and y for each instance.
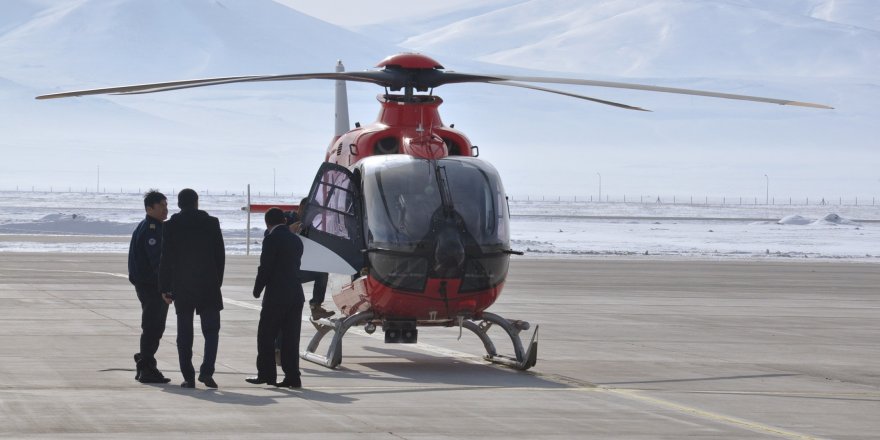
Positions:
(600, 185)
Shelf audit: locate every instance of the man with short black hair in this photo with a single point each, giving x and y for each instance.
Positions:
(143, 272)
(282, 305)
(190, 275)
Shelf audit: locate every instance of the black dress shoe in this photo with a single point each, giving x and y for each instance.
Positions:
(187, 384)
(257, 380)
(152, 375)
(290, 383)
(145, 378)
(208, 381)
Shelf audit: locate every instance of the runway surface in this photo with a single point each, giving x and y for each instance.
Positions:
(647, 349)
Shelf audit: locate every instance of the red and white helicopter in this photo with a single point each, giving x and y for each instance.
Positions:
(405, 201)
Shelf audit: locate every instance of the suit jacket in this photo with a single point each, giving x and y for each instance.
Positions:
(193, 258)
(279, 269)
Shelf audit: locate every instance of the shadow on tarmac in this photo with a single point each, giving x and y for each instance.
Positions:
(408, 367)
(225, 396)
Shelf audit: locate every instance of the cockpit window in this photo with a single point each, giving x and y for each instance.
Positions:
(404, 200)
(403, 196)
(477, 196)
(415, 205)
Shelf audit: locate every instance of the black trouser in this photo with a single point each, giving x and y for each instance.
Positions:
(318, 292)
(288, 321)
(320, 287)
(154, 311)
(210, 320)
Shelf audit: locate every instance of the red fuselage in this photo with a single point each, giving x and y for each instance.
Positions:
(414, 128)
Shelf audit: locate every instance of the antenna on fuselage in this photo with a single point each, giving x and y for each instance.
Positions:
(342, 125)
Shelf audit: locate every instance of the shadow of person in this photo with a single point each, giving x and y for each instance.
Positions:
(315, 395)
(224, 396)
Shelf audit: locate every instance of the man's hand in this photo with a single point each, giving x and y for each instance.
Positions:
(168, 298)
(257, 293)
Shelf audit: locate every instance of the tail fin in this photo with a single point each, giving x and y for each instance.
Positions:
(342, 125)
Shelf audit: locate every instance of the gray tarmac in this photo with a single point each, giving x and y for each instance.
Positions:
(630, 349)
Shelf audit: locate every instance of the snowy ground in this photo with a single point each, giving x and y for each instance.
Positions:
(91, 222)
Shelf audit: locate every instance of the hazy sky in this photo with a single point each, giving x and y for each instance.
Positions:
(228, 136)
(358, 13)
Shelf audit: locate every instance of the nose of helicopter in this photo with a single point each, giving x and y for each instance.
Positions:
(449, 254)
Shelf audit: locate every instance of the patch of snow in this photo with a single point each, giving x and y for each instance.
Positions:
(79, 222)
(795, 220)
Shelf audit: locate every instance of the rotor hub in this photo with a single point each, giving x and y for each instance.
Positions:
(410, 61)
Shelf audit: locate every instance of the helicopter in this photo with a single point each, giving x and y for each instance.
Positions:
(423, 223)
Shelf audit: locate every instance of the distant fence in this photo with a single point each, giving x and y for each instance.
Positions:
(643, 199)
(140, 191)
(707, 200)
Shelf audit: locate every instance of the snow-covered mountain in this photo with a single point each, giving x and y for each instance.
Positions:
(225, 137)
(231, 136)
(94, 42)
(671, 38)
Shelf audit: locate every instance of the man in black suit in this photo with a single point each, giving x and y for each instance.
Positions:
(282, 306)
(190, 275)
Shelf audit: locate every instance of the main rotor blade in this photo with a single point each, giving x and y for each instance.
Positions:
(423, 79)
(146, 88)
(633, 86)
(573, 95)
(377, 77)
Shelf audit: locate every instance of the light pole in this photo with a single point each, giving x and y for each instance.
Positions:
(767, 193)
(600, 186)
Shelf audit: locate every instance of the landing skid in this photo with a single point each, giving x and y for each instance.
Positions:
(522, 359)
(339, 326)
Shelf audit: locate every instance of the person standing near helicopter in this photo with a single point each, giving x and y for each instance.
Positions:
(320, 279)
(143, 272)
(191, 275)
(278, 274)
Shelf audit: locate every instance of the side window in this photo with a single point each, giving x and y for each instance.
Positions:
(331, 215)
(334, 205)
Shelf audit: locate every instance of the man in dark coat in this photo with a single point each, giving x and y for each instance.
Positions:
(190, 274)
(143, 272)
(282, 306)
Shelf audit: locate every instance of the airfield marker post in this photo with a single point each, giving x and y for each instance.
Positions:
(248, 235)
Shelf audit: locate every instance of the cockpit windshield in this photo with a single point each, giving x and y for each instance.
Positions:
(406, 198)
